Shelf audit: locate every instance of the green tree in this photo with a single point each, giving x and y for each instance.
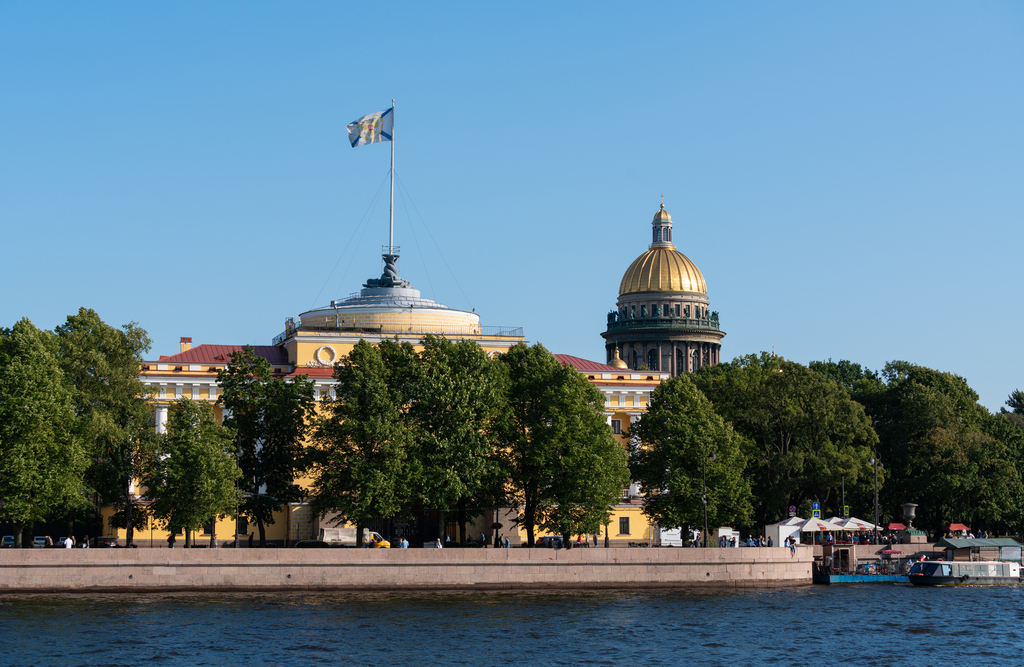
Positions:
(806, 438)
(42, 460)
(587, 468)
(1015, 401)
(680, 436)
(940, 448)
(191, 476)
(270, 418)
(363, 465)
(545, 419)
(458, 397)
(103, 366)
(844, 372)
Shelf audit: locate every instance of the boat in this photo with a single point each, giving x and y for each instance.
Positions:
(964, 573)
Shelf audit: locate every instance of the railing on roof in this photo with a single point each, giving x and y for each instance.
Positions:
(664, 323)
(399, 330)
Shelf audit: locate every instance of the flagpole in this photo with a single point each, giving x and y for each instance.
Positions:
(391, 227)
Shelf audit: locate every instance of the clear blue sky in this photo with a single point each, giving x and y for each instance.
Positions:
(848, 176)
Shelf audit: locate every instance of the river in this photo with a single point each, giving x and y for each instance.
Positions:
(812, 625)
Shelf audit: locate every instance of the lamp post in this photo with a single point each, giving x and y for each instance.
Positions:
(874, 461)
(704, 487)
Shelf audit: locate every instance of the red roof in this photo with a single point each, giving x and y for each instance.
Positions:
(313, 371)
(957, 526)
(897, 526)
(589, 366)
(218, 354)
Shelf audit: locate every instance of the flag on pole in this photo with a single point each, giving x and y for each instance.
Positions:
(372, 128)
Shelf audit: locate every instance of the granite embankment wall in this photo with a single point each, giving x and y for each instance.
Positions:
(87, 570)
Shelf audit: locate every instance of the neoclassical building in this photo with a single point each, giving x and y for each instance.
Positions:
(662, 320)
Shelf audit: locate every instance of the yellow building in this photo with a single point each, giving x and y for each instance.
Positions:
(665, 291)
(385, 308)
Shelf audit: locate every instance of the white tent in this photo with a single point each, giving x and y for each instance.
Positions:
(854, 524)
(819, 526)
(791, 521)
(778, 532)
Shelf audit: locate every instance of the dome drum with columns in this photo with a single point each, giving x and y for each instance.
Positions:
(663, 319)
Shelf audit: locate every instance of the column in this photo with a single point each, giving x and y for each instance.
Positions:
(161, 418)
(661, 358)
(674, 362)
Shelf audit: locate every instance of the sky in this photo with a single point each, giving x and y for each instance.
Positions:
(847, 176)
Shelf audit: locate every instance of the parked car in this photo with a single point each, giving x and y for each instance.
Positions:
(550, 542)
(101, 542)
(39, 542)
(7, 542)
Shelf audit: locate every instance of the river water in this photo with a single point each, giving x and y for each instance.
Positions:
(812, 625)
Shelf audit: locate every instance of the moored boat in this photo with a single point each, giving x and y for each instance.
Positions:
(964, 573)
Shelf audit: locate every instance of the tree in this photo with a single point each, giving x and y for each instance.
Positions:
(458, 397)
(1015, 401)
(845, 372)
(270, 418)
(363, 467)
(587, 468)
(545, 421)
(103, 366)
(41, 457)
(681, 435)
(191, 475)
(806, 438)
(938, 443)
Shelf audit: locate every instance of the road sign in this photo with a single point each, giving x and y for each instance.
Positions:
(792, 510)
(816, 510)
(846, 510)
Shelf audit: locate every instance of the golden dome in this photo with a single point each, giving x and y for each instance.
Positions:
(662, 270)
(617, 362)
(662, 215)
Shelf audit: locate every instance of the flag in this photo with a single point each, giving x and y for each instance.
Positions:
(372, 128)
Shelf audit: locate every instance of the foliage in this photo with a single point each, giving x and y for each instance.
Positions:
(845, 372)
(944, 449)
(458, 396)
(680, 433)
(1015, 401)
(547, 416)
(41, 457)
(587, 468)
(103, 366)
(806, 438)
(270, 418)
(191, 475)
(363, 465)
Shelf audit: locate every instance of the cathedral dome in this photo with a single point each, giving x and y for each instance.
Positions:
(662, 268)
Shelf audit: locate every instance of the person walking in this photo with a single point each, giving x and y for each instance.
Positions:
(85, 541)
(438, 545)
(69, 543)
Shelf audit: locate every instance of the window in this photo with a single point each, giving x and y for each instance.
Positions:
(617, 426)
(208, 527)
(652, 359)
(623, 525)
(241, 525)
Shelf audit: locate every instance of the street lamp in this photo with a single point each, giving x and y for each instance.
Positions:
(704, 485)
(874, 461)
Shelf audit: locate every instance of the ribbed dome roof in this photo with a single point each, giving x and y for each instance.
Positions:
(662, 270)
